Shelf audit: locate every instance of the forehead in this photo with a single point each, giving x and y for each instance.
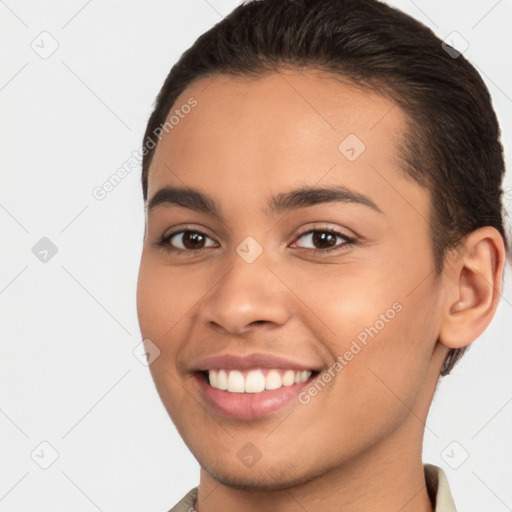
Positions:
(280, 130)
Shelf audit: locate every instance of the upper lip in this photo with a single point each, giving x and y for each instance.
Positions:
(247, 362)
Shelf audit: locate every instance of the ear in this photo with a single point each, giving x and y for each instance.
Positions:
(473, 283)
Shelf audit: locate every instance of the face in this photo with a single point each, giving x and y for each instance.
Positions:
(302, 280)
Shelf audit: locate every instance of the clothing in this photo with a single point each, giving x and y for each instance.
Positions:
(438, 489)
(436, 481)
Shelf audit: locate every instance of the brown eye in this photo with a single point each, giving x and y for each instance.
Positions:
(325, 240)
(185, 240)
(192, 240)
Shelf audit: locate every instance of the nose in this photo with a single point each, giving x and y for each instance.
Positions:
(248, 295)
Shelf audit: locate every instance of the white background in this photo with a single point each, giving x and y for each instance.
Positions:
(68, 375)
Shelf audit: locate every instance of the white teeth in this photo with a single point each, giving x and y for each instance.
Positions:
(289, 378)
(214, 379)
(273, 380)
(222, 380)
(255, 381)
(304, 375)
(235, 382)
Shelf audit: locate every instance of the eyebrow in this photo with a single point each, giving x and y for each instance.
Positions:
(193, 199)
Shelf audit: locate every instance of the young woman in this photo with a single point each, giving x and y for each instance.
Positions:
(324, 238)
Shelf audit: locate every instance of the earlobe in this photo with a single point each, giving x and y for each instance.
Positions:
(473, 284)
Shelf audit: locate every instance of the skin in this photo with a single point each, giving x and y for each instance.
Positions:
(357, 444)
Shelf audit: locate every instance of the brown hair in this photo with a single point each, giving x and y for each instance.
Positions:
(452, 145)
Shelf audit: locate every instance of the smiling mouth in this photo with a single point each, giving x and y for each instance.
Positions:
(256, 380)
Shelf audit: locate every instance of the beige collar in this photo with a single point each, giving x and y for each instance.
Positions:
(438, 489)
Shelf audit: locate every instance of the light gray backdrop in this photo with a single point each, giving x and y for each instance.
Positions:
(78, 79)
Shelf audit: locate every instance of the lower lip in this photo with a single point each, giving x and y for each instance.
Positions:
(249, 406)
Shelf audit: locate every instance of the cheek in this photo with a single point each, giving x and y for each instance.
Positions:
(161, 303)
(164, 296)
(149, 302)
(166, 304)
(346, 303)
(381, 334)
(376, 385)
(387, 373)
(159, 309)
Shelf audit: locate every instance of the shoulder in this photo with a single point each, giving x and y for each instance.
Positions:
(186, 504)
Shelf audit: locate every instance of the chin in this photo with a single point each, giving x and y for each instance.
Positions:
(263, 478)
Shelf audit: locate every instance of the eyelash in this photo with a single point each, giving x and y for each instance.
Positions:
(164, 242)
